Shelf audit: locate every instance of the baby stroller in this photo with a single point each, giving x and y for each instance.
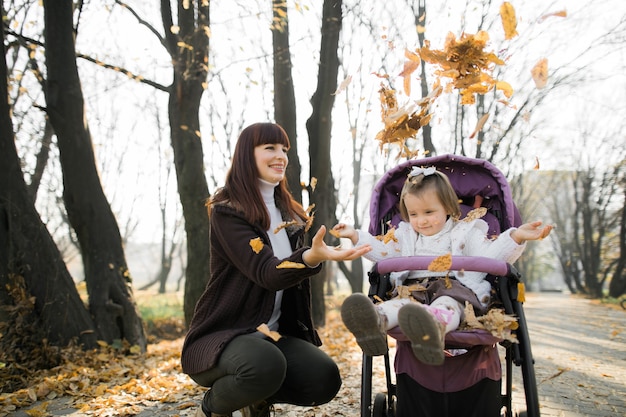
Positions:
(472, 380)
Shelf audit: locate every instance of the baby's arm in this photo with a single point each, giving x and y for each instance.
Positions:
(530, 231)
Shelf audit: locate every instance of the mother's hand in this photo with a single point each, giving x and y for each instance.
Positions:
(320, 252)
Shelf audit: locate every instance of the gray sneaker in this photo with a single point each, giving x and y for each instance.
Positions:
(424, 332)
(368, 327)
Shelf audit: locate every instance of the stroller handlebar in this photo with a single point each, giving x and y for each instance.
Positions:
(465, 263)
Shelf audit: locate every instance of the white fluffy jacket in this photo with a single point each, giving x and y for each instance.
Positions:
(460, 238)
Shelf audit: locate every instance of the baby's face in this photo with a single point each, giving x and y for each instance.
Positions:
(426, 213)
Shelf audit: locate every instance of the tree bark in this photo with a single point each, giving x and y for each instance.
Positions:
(284, 95)
(27, 249)
(190, 65)
(319, 127)
(108, 280)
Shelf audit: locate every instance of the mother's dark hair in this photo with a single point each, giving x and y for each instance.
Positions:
(241, 188)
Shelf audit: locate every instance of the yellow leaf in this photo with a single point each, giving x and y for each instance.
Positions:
(509, 21)
(290, 265)
(284, 225)
(521, 292)
(441, 263)
(505, 88)
(477, 213)
(540, 73)
(256, 244)
(263, 328)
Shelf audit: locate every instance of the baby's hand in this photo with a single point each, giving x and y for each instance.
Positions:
(345, 231)
(531, 231)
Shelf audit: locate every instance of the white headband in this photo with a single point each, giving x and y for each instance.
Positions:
(415, 171)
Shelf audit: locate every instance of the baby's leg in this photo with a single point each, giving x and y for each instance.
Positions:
(447, 311)
(390, 309)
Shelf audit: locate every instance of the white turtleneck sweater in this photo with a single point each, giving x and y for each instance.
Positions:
(280, 241)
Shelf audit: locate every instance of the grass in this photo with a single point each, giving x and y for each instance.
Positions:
(153, 306)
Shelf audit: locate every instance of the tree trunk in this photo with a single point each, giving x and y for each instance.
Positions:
(27, 249)
(319, 129)
(190, 73)
(284, 95)
(427, 130)
(106, 273)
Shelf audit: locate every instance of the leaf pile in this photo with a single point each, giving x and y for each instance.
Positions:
(23, 346)
(106, 382)
(495, 321)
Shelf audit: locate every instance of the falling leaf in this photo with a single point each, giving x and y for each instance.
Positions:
(389, 236)
(263, 328)
(509, 21)
(344, 84)
(561, 13)
(290, 265)
(256, 244)
(410, 65)
(477, 213)
(465, 62)
(441, 263)
(536, 163)
(284, 225)
(334, 233)
(540, 73)
(403, 122)
(505, 87)
(313, 183)
(479, 125)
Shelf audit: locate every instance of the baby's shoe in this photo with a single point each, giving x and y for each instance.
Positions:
(368, 327)
(425, 332)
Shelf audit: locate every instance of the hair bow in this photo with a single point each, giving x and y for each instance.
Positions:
(415, 171)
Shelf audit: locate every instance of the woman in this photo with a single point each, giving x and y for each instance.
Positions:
(260, 276)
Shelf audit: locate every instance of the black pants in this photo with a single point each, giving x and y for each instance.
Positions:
(253, 369)
(480, 400)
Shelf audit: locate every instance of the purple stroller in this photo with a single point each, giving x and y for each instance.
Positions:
(470, 384)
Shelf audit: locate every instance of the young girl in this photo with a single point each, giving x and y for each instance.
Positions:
(260, 274)
(429, 208)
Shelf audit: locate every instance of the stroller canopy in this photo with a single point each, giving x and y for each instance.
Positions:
(478, 183)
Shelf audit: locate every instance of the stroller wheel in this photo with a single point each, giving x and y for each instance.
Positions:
(380, 405)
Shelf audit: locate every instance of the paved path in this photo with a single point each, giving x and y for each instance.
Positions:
(580, 355)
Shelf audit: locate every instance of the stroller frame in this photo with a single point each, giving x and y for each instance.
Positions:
(505, 280)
